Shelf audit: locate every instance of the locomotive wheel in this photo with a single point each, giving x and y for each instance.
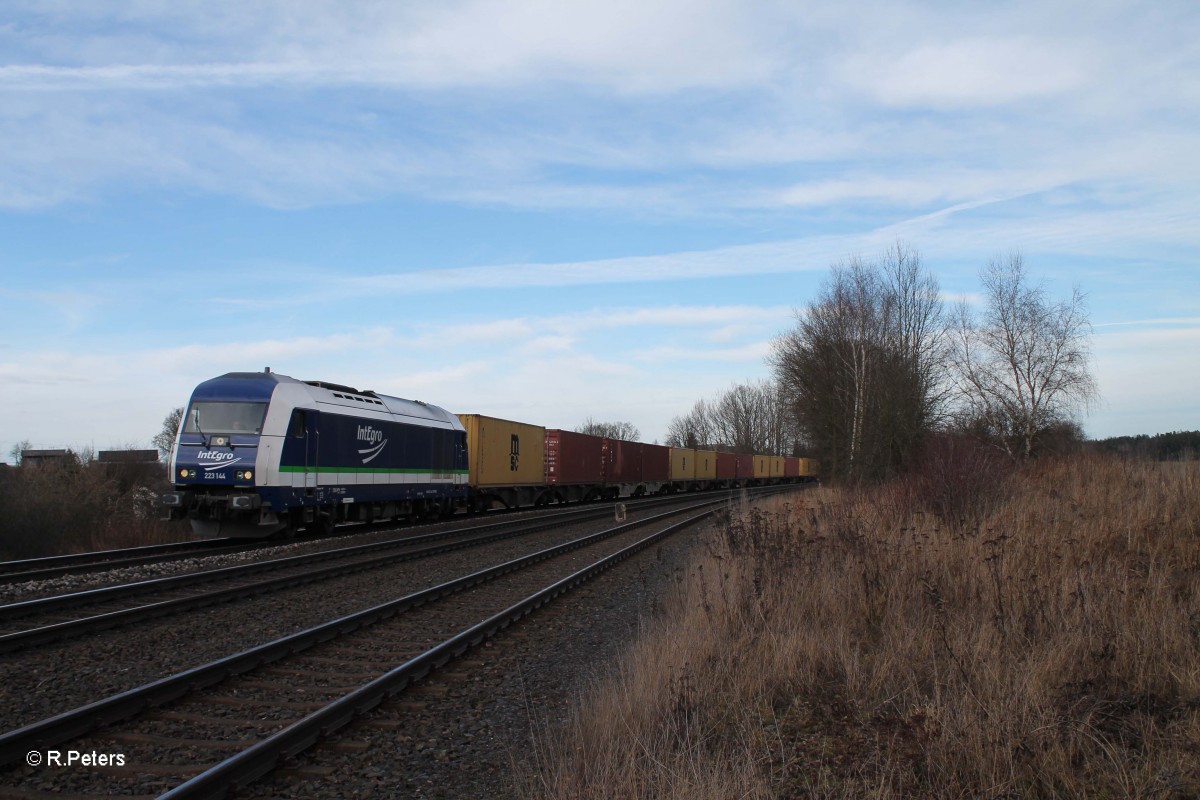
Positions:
(322, 523)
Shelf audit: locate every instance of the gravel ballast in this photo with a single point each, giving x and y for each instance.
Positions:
(468, 732)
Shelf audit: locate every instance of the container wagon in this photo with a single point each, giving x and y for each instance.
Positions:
(574, 466)
(506, 461)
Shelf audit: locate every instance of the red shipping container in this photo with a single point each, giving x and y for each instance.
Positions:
(727, 466)
(622, 461)
(656, 463)
(791, 467)
(574, 457)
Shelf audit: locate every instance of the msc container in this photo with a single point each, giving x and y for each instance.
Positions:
(706, 465)
(762, 467)
(683, 464)
(656, 463)
(574, 457)
(504, 453)
(776, 466)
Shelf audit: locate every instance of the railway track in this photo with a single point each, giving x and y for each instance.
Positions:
(223, 724)
(34, 569)
(38, 569)
(43, 620)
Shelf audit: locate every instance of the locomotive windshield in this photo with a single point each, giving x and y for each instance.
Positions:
(212, 417)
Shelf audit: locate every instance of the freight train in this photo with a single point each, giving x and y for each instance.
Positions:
(259, 454)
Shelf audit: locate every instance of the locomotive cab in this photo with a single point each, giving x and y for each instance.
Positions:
(215, 464)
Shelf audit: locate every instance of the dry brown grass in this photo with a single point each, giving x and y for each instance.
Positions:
(54, 509)
(854, 646)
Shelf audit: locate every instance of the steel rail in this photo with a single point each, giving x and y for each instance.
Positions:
(242, 769)
(73, 724)
(11, 611)
(32, 569)
(45, 634)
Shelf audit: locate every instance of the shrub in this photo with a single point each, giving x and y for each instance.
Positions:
(67, 507)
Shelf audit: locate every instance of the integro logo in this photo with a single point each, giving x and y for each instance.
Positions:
(368, 434)
(213, 455)
(374, 441)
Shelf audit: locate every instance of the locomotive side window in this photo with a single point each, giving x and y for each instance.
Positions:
(297, 427)
(212, 417)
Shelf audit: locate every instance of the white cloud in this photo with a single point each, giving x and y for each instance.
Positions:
(533, 368)
(624, 45)
(534, 105)
(975, 71)
(751, 354)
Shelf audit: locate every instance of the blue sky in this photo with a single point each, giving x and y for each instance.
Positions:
(548, 211)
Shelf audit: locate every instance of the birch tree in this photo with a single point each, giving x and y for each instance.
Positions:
(1022, 363)
(863, 369)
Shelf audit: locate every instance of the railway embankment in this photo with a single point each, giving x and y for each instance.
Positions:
(1043, 640)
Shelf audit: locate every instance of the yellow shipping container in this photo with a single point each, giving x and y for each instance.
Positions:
(809, 468)
(776, 466)
(683, 464)
(706, 465)
(762, 466)
(504, 453)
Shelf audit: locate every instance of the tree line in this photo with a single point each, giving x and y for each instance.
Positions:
(1173, 446)
(877, 362)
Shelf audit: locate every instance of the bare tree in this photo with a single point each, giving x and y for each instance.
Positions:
(862, 369)
(164, 440)
(916, 375)
(1022, 364)
(625, 431)
(693, 429)
(16, 452)
(747, 418)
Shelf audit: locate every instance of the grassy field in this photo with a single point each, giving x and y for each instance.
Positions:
(1042, 640)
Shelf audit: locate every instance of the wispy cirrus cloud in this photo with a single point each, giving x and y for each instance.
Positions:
(976, 71)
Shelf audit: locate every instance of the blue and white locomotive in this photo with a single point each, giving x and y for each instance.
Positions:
(258, 453)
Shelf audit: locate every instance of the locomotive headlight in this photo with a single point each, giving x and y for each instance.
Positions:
(183, 473)
(244, 475)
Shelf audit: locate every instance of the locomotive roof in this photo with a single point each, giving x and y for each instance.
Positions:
(258, 386)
